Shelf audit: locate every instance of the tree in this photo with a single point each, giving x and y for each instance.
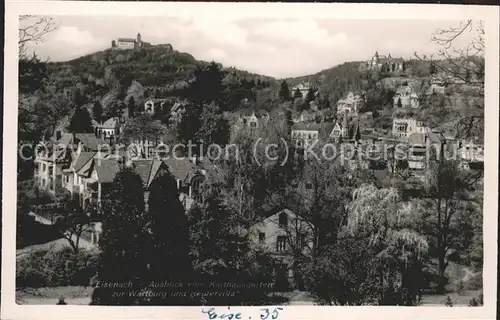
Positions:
(143, 128)
(452, 61)
(320, 198)
(131, 106)
(284, 92)
(97, 111)
(297, 94)
(220, 253)
(311, 95)
(80, 121)
(344, 274)
(32, 74)
(447, 190)
(432, 68)
(189, 124)
(207, 86)
(33, 29)
(74, 224)
(214, 127)
(122, 258)
(167, 247)
(380, 216)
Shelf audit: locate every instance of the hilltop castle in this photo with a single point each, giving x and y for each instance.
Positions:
(129, 43)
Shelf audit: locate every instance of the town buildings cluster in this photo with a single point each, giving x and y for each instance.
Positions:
(84, 171)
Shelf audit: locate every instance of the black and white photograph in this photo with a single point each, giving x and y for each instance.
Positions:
(176, 160)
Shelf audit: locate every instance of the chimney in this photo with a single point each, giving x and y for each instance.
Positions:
(194, 160)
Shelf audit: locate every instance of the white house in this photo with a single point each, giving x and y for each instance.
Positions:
(402, 127)
(405, 97)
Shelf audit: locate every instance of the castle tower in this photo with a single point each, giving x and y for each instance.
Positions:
(139, 38)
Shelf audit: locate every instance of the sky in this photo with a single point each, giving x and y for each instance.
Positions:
(274, 47)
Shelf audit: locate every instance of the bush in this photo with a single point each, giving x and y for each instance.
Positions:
(60, 268)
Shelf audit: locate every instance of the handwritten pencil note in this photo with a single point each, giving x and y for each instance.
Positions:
(263, 314)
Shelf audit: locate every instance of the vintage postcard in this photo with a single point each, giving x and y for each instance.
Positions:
(249, 161)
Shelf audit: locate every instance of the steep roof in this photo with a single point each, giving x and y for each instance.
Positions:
(126, 40)
(82, 159)
(110, 123)
(89, 140)
(180, 168)
(106, 169)
(147, 170)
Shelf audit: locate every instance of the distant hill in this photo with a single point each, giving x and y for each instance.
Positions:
(159, 69)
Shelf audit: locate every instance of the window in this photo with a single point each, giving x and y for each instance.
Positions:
(281, 243)
(262, 237)
(283, 220)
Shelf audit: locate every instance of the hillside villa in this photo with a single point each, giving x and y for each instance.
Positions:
(404, 127)
(252, 119)
(351, 103)
(284, 235)
(303, 88)
(151, 105)
(109, 130)
(377, 62)
(405, 97)
(304, 134)
(54, 157)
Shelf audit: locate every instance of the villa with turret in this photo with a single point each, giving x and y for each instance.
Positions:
(377, 62)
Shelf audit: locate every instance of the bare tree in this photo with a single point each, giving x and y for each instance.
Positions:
(33, 29)
(466, 63)
(463, 64)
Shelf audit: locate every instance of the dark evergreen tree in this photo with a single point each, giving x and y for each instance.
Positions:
(167, 247)
(81, 121)
(32, 73)
(122, 257)
(214, 127)
(311, 95)
(131, 105)
(297, 94)
(220, 253)
(97, 111)
(432, 69)
(284, 92)
(207, 86)
(77, 97)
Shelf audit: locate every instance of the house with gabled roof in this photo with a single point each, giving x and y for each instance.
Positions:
(307, 133)
(405, 97)
(251, 119)
(286, 236)
(53, 157)
(108, 130)
(95, 176)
